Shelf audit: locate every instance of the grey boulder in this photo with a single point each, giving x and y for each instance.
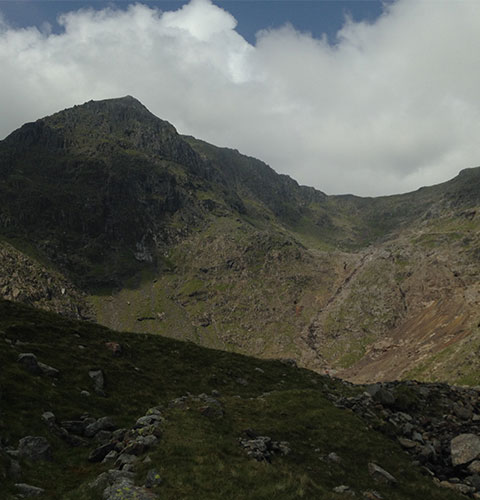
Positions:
(34, 448)
(29, 361)
(464, 448)
(27, 490)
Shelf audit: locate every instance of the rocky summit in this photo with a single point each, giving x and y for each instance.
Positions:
(361, 314)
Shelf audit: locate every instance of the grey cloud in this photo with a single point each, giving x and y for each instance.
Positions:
(391, 106)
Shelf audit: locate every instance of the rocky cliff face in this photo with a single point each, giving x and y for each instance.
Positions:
(94, 188)
(23, 279)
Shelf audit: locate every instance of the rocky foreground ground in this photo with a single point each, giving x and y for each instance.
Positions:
(87, 413)
(437, 425)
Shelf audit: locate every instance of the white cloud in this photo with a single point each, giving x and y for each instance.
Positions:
(200, 22)
(391, 106)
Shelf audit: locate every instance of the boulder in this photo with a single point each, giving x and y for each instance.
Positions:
(344, 490)
(461, 488)
(372, 389)
(102, 424)
(74, 426)
(474, 467)
(98, 454)
(156, 410)
(26, 490)
(153, 479)
(29, 361)
(98, 379)
(464, 448)
(121, 484)
(372, 495)
(103, 436)
(100, 482)
(384, 397)
(148, 440)
(49, 418)
(115, 475)
(474, 481)
(407, 443)
(125, 459)
(48, 370)
(119, 434)
(333, 457)
(462, 412)
(125, 490)
(34, 448)
(262, 448)
(135, 448)
(146, 420)
(112, 455)
(380, 474)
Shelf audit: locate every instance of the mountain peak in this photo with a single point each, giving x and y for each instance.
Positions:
(126, 101)
(103, 128)
(119, 108)
(124, 120)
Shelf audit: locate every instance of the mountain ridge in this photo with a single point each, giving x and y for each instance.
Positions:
(166, 233)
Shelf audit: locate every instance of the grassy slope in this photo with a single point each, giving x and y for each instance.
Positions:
(242, 288)
(230, 286)
(198, 457)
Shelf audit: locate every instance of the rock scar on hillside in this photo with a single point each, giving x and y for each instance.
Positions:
(431, 330)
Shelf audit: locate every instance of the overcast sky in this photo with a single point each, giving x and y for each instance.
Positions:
(383, 105)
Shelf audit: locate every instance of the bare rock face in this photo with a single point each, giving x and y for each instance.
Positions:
(23, 279)
(465, 448)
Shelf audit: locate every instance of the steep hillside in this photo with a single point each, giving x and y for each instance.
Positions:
(432, 325)
(89, 413)
(24, 279)
(168, 234)
(92, 187)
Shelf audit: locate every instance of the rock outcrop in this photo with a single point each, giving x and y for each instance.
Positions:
(437, 424)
